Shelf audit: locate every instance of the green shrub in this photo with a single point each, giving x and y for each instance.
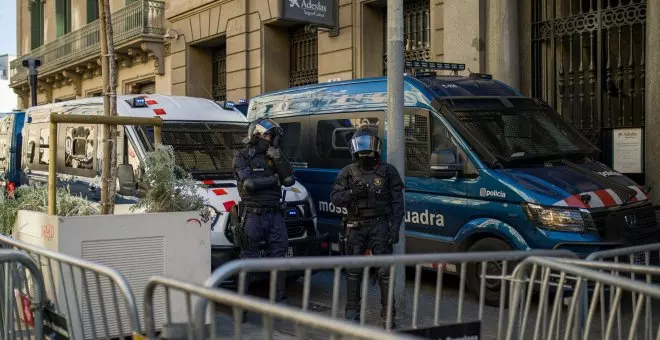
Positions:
(169, 187)
(35, 198)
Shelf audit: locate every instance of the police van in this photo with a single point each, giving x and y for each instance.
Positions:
(11, 127)
(487, 169)
(203, 135)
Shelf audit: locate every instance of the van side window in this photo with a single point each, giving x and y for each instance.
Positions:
(80, 147)
(442, 139)
(31, 146)
(6, 124)
(290, 142)
(44, 134)
(416, 132)
(333, 137)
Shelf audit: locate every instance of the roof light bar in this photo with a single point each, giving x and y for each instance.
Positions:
(242, 101)
(139, 102)
(432, 65)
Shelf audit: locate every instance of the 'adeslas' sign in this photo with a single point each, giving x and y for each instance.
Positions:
(322, 13)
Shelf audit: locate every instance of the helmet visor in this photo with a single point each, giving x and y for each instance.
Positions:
(267, 126)
(366, 144)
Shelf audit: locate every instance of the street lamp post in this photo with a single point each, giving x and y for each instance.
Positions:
(32, 64)
(395, 130)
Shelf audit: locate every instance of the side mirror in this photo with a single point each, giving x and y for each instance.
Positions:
(445, 164)
(125, 180)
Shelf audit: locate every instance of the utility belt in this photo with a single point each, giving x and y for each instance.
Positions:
(366, 222)
(354, 224)
(261, 211)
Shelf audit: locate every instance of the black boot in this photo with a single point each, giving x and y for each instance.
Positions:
(353, 286)
(280, 288)
(384, 283)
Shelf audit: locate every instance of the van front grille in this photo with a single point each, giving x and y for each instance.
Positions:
(632, 226)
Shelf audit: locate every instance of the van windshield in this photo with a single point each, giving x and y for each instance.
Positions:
(514, 135)
(200, 147)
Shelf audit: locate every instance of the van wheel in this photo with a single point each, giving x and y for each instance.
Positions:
(493, 269)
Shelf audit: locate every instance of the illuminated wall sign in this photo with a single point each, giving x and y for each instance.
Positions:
(322, 13)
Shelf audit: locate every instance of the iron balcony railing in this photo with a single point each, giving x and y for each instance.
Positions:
(141, 18)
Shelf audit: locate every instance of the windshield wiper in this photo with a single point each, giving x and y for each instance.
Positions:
(603, 179)
(545, 157)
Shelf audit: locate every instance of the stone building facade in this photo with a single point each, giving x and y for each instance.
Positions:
(596, 61)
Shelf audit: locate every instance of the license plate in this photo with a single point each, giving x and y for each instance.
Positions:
(289, 252)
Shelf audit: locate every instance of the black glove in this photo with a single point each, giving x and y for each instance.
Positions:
(359, 189)
(393, 237)
(273, 153)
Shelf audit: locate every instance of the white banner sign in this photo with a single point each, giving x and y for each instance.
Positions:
(627, 150)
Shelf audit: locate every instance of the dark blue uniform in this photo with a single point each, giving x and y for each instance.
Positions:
(261, 170)
(372, 193)
(264, 221)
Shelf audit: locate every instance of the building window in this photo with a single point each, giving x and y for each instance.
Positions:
(63, 15)
(304, 60)
(97, 93)
(92, 10)
(219, 60)
(416, 31)
(36, 23)
(141, 87)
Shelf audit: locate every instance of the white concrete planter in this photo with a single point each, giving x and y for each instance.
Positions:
(175, 245)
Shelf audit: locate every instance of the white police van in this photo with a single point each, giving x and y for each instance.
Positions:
(203, 134)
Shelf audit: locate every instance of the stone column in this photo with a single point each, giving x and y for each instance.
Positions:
(502, 41)
(652, 73)
(464, 38)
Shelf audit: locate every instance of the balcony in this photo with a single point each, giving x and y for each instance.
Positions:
(138, 32)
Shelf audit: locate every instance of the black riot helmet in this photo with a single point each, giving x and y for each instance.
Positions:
(365, 143)
(264, 126)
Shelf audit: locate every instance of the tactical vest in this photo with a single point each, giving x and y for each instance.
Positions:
(261, 166)
(377, 201)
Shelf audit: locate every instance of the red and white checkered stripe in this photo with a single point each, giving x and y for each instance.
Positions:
(150, 102)
(216, 191)
(600, 199)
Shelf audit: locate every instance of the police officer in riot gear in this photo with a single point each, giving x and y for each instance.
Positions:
(261, 169)
(372, 192)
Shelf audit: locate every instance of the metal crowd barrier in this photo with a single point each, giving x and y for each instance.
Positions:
(16, 321)
(595, 309)
(83, 296)
(645, 255)
(335, 328)
(648, 254)
(476, 261)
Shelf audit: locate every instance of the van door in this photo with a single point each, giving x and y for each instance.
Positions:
(434, 206)
(328, 153)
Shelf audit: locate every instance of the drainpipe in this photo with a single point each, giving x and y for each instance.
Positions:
(247, 49)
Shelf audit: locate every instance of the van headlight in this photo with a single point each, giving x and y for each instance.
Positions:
(557, 219)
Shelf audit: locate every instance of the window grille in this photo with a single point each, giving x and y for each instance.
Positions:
(304, 58)
(219, 59)
(416, 31)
